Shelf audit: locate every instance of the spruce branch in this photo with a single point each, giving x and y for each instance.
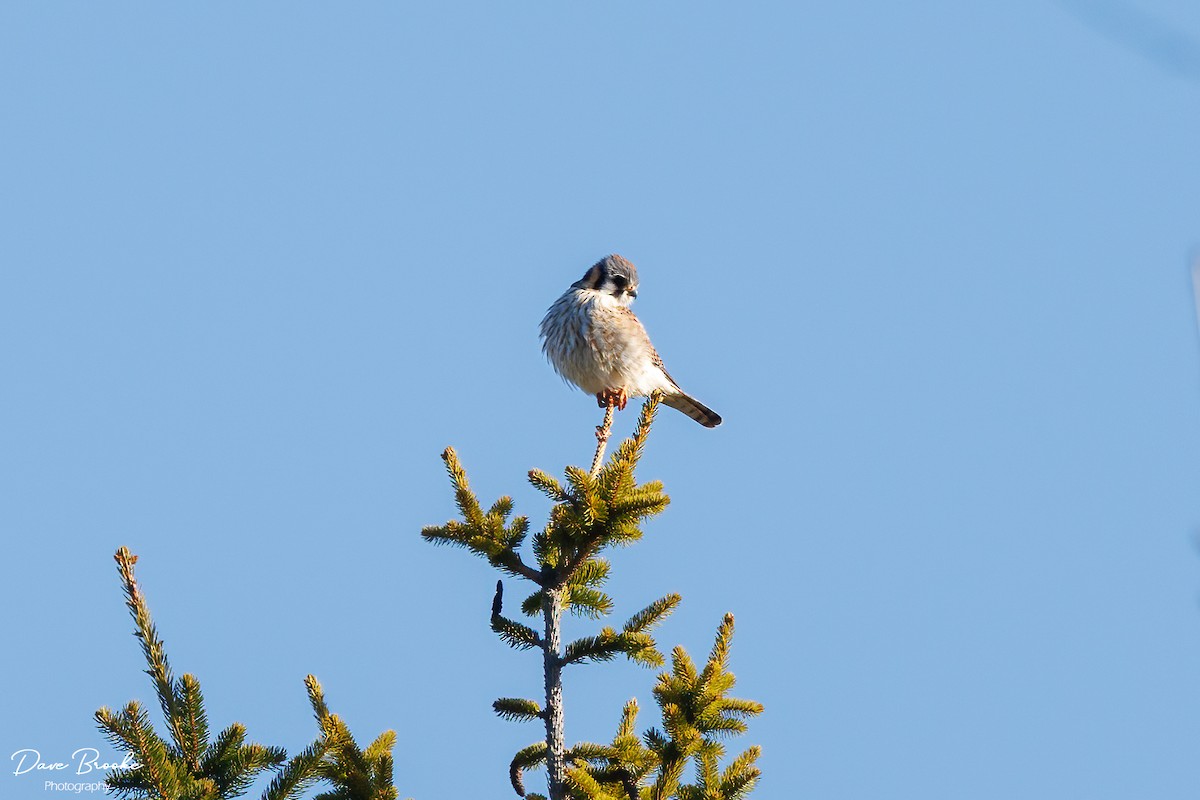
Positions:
(584, 601)
(625, 735)
(653, 614)
(193, 720)
(194, 768)
(379, 751)
(594, 510)
(189, 767)
(740, 776)
(514, 634)
(518, 709)
(547, 486)
(156, 775)
(696, 710)
(618, 473)
(592, 572)
(582, 786)
(635, 645)
(532, 756)
(615, 770)
(718, 657)
(233, 777)
(355, 773)
(300, 772)
(532, 606)
(223, 753)
(634, 640)
(605, 508)
(603, 430)
(489, 535)
(586, 752)
(602, 647)
(316, 698)
(158, 668)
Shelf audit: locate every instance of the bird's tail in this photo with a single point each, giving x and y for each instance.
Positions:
(694, 409)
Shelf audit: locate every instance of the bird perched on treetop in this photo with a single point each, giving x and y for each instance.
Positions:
(594, 341)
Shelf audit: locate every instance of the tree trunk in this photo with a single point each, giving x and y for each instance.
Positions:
(555, 768)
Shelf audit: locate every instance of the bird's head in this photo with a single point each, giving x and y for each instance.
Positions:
(612, 275)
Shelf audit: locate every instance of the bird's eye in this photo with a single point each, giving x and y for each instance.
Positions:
(620, 281)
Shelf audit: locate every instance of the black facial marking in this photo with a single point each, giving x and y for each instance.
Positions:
(619, 271)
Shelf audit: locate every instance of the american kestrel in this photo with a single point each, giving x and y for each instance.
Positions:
(594, 341)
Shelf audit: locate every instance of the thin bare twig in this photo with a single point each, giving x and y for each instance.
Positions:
(602, 432)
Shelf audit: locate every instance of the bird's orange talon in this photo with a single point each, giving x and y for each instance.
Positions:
(612, 398)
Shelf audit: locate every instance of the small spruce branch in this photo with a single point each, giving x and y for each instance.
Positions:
(518, 709)
(514, 634)
(487, 534)
(603, 431)
(301, 771)
(531, 756)
(152, 646)
(194, 720)
(355, 773)
(697, 714)
(156, 766)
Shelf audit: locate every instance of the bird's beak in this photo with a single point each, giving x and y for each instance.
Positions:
(631, 292)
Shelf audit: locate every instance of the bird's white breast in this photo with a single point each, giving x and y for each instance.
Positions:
(597, 344)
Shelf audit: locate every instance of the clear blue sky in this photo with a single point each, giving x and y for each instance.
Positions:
(262, 261)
